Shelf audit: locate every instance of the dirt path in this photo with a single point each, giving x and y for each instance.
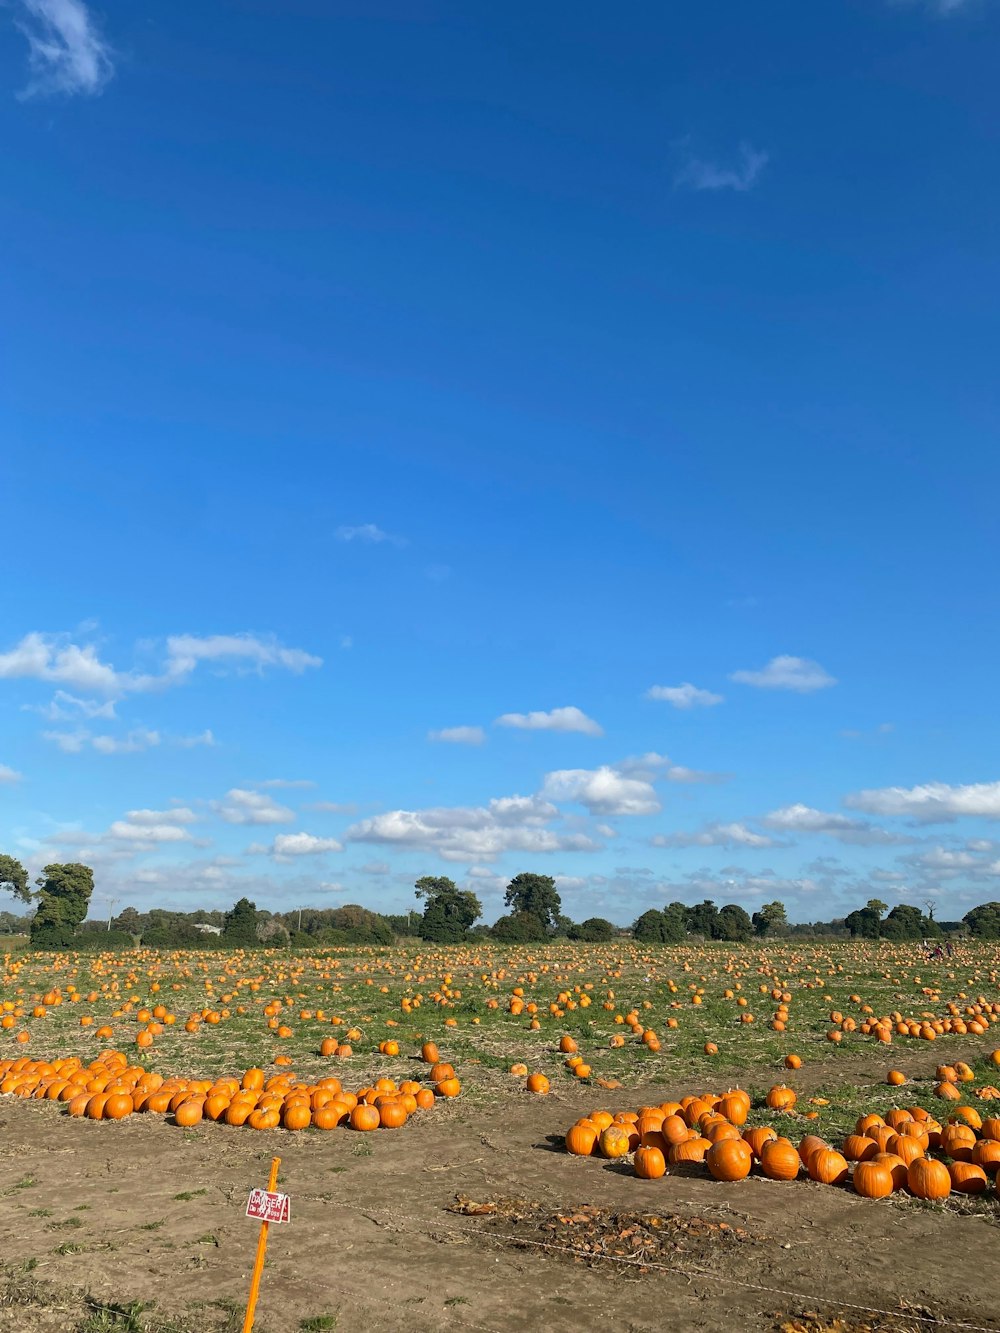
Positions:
(144, 1211)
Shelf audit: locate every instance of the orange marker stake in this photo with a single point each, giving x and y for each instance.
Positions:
(258, 1264)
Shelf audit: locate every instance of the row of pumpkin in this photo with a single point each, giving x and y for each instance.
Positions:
(108, 1088)
(880, 1156)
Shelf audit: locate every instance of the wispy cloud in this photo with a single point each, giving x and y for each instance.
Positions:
(557, 719)
(133, 742)
(191, 742)
(368, 533)
(799, 818)
(66, 53)
(787, 673)
(242, 806)
(255, 652)
(64, 705)
(684, 696)
(699, 173)
(716, 835)
(458, 735)
(8, 775)
(933, 802)
(75, 742)
(55, 659)
(476, 833)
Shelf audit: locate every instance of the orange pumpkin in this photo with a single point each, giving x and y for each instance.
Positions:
(729, 1159)
(928, 1179)
(872, 1180)
(967, 1178)
(828, 1167)
(581, 1138)
(365, 1118)
(650, 1163)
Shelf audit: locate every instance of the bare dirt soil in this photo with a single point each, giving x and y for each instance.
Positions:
(472, 1215)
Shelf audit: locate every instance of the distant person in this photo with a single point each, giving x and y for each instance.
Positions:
(947, 947)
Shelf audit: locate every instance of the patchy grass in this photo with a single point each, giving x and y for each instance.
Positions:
(477, 1002)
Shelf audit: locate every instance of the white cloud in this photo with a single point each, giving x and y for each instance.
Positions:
(787, 673)
(715, 835)
(8, 775)
(369, 533)
(474, 833)
(303, 844)
(940, 858)
(39, 657)
(64, 705)
(933, 802)
(604, 791)
(240, 806)
(127, 830)
(799, 818)
(651, 766)
(684, 696)
(185, 651)
(190, 742)
(66, 54)
(334, 807)
(132, 743)
(557, 719)
(70, 742)
(52, 658)
(180, 814)
(74, 742)
(699, 174)
(458, 735)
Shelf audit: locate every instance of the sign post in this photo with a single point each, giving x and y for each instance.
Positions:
(269, 1207)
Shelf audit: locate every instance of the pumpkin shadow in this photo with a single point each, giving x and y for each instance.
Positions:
(686, 1170)
(553, 1143)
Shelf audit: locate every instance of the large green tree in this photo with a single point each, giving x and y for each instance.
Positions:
(14, 878)
(240, 924)
(703, 919)
(864, 922)
(595, 930)
(905, 922)
(771, 919)
(63, 897)
(650, 928)
(675, 923)
(734, 924)
(537, 895)
(519, 928)
(449, 911)
(984, 921)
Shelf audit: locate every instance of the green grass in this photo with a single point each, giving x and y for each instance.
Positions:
(319, 1323)
(367, 989)
(114, 1318)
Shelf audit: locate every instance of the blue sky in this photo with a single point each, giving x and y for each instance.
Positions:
(449, 439)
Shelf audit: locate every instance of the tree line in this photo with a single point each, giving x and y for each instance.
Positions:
(449, 915)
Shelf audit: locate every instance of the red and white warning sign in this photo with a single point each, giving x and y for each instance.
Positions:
(269, 1207)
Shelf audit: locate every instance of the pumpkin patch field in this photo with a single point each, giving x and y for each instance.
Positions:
(568, 1135)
